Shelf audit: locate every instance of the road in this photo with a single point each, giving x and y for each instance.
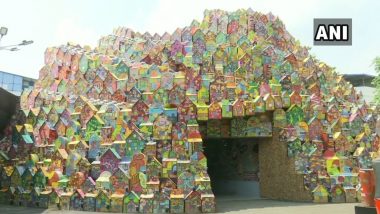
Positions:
(228, 206)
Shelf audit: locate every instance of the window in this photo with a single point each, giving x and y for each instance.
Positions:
(7, 78)
(17, 80)
(17, 87)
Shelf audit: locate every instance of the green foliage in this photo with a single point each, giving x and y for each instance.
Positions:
(376, 81)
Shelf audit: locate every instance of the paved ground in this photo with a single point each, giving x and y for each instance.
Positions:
(229, 206)
(282, 207)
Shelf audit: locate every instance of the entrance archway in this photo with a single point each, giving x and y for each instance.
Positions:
(233, 166)
(233, 163)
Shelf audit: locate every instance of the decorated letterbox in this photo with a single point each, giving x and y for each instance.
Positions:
(39, 179)
(65, 200)
(294, 114)
(117, 202)
(137, 182)
(208, 203)
(103, 201)
(162, 128)
(203, 183)
(140, 112)
(153, 185)
(341, 143)
(27, 200)
(16, 179)
(186, 182)
(119, 181)
(167, 185)
(238, 108)
(286, 103)
(269, 102)
(27, 179)
(146, 129)
(131, 203)
(148, 97)
(150, 149)
(55, 198)
(338, 194)
(72, 163)
(45, 199)
(135, 144)
(35, 195)
(77, 200)
(320, 194)
(350, 194)
(146, 203)
(95, 169)
(277, 101)
(333, 165)
(202, 111)
(193, 130)
(161, 203)
(179, 131)
(182, 166)
(259, 104)
(89, 185)
(77, 180)
(179, 79)
(154, 168)
(103, 181)
(119, 146)
(192, 95)
(279, 118)
(203, 95)
(176, 95)
(187, 110)
(193, 202)
(356, 124)
(89, 202)
(249, 107)
(177, 204)
(215, 111)
(109, 161)
(169, 167)
(167, 79)
(227, 109)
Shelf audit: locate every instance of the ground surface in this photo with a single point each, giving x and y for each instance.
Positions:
(226, 205)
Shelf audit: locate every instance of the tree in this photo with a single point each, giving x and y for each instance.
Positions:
(376, 81)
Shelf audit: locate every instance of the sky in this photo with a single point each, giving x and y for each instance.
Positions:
(56, 22)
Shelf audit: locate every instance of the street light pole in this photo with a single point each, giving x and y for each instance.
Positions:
(3, 32)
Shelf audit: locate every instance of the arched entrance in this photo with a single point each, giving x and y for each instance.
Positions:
(233, 166)
(233, 158)
(250, 166)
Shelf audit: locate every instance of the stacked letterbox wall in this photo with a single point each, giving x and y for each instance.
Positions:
(122, 118)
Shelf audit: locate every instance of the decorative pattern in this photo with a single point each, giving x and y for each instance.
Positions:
(120, 122)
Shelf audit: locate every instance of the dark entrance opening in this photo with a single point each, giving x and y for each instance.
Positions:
(233, 166)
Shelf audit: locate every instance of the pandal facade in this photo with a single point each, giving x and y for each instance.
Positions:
(116, 128)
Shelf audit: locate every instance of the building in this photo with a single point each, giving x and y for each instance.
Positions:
(15, 83)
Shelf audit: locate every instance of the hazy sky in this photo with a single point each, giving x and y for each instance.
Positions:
(55, 22)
